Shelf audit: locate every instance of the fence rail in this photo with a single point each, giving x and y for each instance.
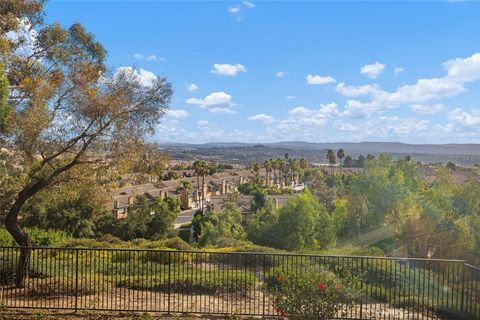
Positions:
(232, 283)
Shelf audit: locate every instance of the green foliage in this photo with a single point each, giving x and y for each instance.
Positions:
(300, 224)
(40, 237)
(304, 224)
(262, 227)
(310, 295)
(196, 281)
(221, 228)
(5, 109)
(145, 220)
(5, 238)
(47, 238)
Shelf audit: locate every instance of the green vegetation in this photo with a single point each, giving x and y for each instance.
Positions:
(310, 295)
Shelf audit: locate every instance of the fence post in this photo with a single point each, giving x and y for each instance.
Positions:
(264, 284)
(361, 287)
(462, 281)
(169, 282)
(76, 280)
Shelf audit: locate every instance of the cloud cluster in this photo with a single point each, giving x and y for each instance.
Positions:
(319, 80)
(427, 108)
(459, 72)
(225, 69)
(150, 57)
(192, 87)
(372, 70)
(238, 10)
(262, 117)
(176, 114)
(216, 102)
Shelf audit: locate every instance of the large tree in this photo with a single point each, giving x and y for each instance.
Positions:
(66, 109)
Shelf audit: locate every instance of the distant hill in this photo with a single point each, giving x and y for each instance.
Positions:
(463, 154)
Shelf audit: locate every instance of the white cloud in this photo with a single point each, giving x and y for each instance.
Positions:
(398, 70)
(176, 113)
(427, 109)
(192, 87)
(319, 80)
(203, 123)
(138, 56)
(464, 69)
(372, 70)
(459, 72)
(291, 98)
(345, 126)
(234, 9)
(301, 117)
(467, 119)
(228, 69)
(358, 109)
(222, 110)
(150, 57)
(281, 74)
(398, 126)
(248, 4)
(262, 117)
(353, 91)
(145, 77)
(216, 102)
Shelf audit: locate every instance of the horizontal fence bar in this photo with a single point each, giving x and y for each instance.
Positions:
(242, 283)
(242, 253)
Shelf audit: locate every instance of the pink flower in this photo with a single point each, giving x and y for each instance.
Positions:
(337, 286)
(321, 286)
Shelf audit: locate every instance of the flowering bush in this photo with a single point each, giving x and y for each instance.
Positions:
(318, 295)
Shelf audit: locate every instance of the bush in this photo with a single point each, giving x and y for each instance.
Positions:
(5, 238)
(194, 282)
(47, 238)
(314, 294)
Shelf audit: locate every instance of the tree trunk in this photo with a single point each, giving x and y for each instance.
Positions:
(22, 239)
(203, 192)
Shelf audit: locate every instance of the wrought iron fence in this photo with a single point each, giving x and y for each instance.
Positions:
(232, 283)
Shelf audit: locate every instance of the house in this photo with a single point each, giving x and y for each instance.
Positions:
(215, 185)
(124, 197)
(217, 202)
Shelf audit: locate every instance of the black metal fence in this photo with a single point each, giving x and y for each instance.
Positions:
(232, 283)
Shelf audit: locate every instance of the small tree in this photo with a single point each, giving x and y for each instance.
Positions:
(67, 110)
(451, 166)
(332, 159)
(341, 155)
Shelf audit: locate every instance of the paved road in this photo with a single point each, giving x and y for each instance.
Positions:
(184, 217)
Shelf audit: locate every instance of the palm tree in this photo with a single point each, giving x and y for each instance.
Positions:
(341, 155)
(303, 165)
(276, 166)
(204, 169)
(332, 159)
(197, 167)
(294, 169)
(186, 185)
(256, 172)
(268, 168)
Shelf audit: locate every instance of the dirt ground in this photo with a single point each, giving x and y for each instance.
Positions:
(81, 315)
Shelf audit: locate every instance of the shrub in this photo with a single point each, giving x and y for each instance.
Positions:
(193, 282)
(316, 295)
(5, 238)
(47, 238)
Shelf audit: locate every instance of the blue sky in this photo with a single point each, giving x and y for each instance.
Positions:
(315, 71)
